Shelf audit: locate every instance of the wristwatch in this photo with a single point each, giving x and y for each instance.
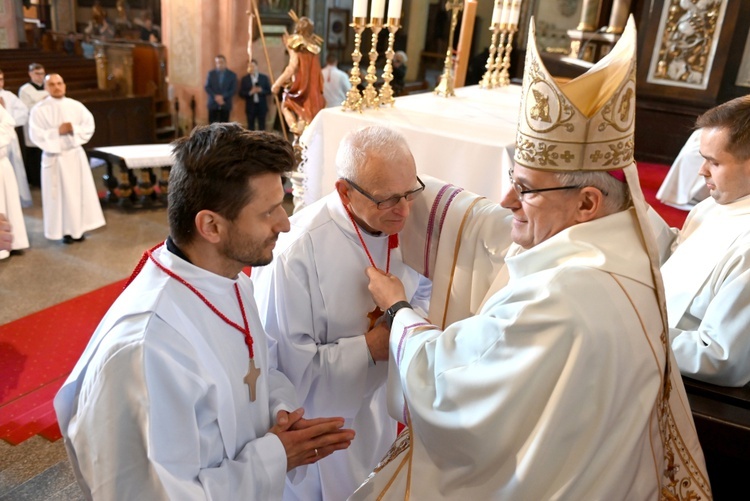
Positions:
(390, 313)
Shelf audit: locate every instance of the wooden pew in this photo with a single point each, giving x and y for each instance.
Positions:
(722, 418)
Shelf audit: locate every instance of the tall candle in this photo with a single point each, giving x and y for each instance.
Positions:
(515, 13)
(505, 12)
(394, 9)
(377, 9)
(360, 8)
(497, 12)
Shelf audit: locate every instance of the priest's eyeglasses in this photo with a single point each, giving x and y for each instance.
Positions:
(522, 190)
(394, 200)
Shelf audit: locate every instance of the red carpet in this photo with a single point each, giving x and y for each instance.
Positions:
(37, 352)
(651, 177)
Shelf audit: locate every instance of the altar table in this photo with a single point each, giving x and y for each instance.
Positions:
(467, 140)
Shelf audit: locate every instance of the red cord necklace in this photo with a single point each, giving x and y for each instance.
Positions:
(375, 314)
(253, 372)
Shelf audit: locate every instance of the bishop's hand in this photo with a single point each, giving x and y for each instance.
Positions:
(385, 288)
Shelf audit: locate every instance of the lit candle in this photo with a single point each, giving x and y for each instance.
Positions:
(497, 12)
(515, 13)
(360, 8)
(377, 9)
(394, 9)
(505, 12)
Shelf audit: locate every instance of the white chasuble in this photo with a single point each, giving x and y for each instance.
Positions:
(70, 204)
(554, 389)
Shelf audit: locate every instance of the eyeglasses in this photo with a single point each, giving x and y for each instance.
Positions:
(393, 201)
(521, 190)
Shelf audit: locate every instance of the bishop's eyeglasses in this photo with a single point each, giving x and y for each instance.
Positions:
(522, 190)
(392, 201)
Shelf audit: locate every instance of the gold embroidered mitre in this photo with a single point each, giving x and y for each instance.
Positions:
(584, 124)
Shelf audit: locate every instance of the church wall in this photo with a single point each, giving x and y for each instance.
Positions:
(8, 25)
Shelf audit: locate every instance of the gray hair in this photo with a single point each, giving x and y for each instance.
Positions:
(617, 194)
(362, 144)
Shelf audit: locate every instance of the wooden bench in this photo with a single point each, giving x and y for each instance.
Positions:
(722, 418)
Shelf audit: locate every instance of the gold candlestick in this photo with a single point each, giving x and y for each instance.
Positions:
(445, 88)
(486, 82)
(354, 97)
(386, 91)
(504, 78)
(370, 95)
(497, 65)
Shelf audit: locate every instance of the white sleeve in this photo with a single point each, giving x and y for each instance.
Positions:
(43, 133)
(17, 109)
(718, 350)
(137, 446)
(83, 129)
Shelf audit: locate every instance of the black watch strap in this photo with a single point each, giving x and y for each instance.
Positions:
(390, 313)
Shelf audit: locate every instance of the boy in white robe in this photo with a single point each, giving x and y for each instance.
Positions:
(60, 126)
(314, 303)
(31, 93)
(10, 203)
(174, 397)
(562, 386)
(707, 272)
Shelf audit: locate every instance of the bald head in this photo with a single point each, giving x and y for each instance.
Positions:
(55, 85)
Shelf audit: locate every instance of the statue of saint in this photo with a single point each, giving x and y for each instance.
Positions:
(302, 79)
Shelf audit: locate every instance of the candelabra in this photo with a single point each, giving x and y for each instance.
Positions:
(486, 82)
(504, 79)
(386, 92)
(353, 97)
(497, 65)
(370, 95)
(445, 88)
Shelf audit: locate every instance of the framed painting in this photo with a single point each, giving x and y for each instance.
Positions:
(338, 28)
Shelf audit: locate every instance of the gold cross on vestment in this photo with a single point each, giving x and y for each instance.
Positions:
(251, 379)
(373, 316)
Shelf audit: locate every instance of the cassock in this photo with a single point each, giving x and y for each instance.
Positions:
(70, 204)
(10, 203)
(706, 282)
(683, 187)
(314, 301)
(20, 114)
(553, 389)
(157, 406)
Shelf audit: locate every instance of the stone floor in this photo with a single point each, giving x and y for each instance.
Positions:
(50, 272)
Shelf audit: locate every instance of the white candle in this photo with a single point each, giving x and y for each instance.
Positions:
(394, 9)
(377, 9)
(505, 12)
(360, 8)
(515, 13)
(497, 12)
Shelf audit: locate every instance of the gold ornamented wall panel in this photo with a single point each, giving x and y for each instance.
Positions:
(184, 51)
(686, 43)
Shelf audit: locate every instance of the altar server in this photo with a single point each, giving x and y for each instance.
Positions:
(562, 385)
(174, 398)
(706, 277)
(60, 126)
(10, 203)
(314, 302)
(20, 113)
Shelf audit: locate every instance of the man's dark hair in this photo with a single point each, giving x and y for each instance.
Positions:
(35, 66)
(331, 58)
(212, 168)
(734, 116)
(220, 56)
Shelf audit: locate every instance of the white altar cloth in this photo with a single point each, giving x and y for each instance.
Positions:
(467, 140)
(139, 156)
